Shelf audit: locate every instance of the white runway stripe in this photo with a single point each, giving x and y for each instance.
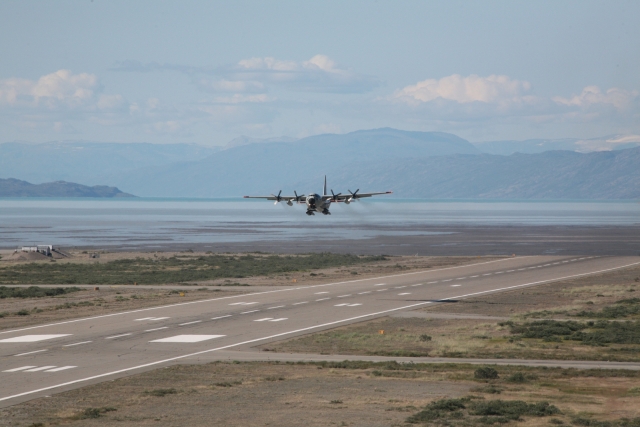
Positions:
(31, 352)
(77, 343)
(117, 336)
(62, 368)
(18, 369)
(41, 368)
(190, 323)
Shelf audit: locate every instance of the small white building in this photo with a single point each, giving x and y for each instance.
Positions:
(43, 249)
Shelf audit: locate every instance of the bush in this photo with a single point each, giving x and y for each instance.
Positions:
(518, 378)
(161, 392)
(93, 413)
(425, 337)
(34, 292)
(485, 373)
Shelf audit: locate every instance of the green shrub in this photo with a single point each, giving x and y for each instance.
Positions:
(93, 413)
(485, 373)
(34, 292)
(425, 337)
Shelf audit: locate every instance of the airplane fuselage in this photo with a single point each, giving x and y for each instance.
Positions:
(315, 203)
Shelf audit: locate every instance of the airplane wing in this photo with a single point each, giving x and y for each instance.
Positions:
(278, 198)
(353, 196)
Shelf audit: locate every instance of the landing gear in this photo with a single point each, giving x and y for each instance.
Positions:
(310, 213)
(326, 212)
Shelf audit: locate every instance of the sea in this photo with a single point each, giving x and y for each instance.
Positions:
(154, 222)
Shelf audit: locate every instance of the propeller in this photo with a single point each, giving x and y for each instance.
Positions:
(297, 199)
(354, 195)
(278, 198)
(334, 197)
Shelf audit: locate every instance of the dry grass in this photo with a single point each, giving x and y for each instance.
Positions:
(485, 339)
(352, 394)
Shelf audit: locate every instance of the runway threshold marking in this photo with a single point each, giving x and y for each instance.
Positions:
(258, 293)
(34, 338)
(188, 338)
(323, 325)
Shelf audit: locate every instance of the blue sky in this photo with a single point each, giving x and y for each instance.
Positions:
(206, 72)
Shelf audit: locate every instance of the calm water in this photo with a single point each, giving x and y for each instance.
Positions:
(150, 222)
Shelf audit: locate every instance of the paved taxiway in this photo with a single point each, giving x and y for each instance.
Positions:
(40, 360)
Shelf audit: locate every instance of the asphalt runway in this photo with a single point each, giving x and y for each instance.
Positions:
(41, 360)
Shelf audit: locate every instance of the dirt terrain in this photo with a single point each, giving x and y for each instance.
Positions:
(465, 328)
(339, 394)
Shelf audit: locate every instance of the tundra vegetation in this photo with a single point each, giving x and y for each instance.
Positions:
(174, 269)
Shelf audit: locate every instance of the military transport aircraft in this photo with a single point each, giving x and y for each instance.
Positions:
(316, 202)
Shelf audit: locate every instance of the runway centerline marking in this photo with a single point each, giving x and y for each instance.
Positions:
(190, 323)
(31, 352)
(77, 343)
(405, 293)
(247, 312)
(118, 336)
(41, 368)
(262, 320)
(257, 293)
(34, 338)
(278, 306)
(324, 292)
(379, 284)
(381, 290)
(158, 362)
(62, 368)
(157, 329)
(472, 277)
(278, 320)
(323, 299)
(431, 283)
(220, 317)
(298, 303)
(19, 369)
(461, 278)
(455, 286)
(362, 293)
(400, 287)
(448, 280)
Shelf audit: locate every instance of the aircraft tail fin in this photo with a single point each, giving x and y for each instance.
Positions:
(324, 189)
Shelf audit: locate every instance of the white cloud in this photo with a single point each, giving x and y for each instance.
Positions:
(241, 99)
(592, 96)
(55, 90)
(492, 89)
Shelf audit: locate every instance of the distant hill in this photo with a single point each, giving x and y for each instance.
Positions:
(16, 188)
(605, 175)
(267, 166)
(412, 164)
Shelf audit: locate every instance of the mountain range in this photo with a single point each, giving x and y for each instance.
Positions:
(412, 164)
(16, 188)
